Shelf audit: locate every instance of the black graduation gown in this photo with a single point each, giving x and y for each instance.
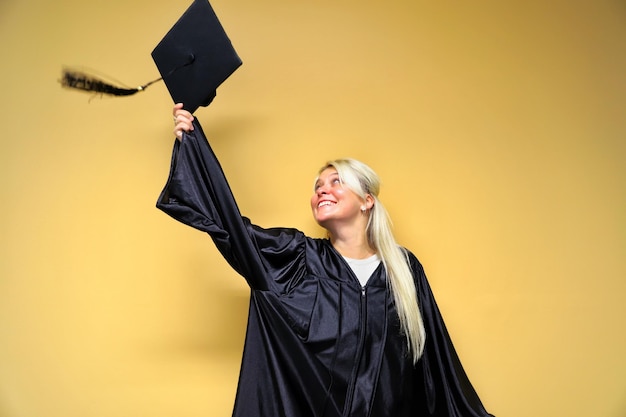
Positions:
(317, 343)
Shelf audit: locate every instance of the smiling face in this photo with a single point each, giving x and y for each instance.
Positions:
(333, 203)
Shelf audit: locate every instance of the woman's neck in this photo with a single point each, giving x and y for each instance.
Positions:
(352, 246)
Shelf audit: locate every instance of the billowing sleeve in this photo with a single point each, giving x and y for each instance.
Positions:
(198, 195)
(443, 385)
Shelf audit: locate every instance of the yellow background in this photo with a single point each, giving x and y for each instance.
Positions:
(498, 128)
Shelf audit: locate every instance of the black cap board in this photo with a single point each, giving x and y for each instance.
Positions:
(195, 57)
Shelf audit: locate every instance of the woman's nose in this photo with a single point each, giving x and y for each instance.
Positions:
(322, 189)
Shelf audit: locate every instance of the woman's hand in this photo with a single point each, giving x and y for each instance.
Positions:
(182, 120)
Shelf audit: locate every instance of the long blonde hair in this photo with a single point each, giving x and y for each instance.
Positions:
(362, 180)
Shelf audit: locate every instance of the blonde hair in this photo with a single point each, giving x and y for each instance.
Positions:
(362, 180)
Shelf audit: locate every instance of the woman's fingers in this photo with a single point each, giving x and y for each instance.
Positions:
(182, 120)
(177, 107)
(181, 126)
(179, 112)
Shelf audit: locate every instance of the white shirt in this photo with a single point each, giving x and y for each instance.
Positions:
(363, 268)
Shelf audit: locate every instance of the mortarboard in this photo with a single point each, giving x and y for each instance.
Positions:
(193, 58)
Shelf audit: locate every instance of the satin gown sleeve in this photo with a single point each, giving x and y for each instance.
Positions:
(198, 195)
(442, 386)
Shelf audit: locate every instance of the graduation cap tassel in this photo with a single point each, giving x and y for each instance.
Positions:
(82, 81)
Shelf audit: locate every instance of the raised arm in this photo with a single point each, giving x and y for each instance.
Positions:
(197, 194)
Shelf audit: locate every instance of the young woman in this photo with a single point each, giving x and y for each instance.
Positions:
(343, 326)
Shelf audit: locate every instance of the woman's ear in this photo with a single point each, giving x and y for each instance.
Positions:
(369, 201)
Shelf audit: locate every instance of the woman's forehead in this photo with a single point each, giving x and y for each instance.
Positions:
(326, 172)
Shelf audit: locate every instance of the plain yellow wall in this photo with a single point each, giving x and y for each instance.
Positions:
(498, 128)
